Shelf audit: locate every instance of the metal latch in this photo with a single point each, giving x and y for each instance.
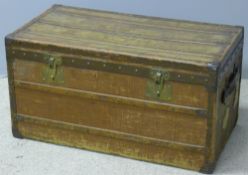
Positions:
(158, 87)
(53, 72)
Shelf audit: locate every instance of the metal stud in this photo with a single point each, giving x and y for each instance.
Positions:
(88, 63)
(158, 74)
(119, 67)
(166, 75)
(72, 61)
(158, 92)
(24, 54)
(179, 76)
(136, 70)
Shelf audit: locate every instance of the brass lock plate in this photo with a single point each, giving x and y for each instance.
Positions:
(158, 86)
(53, 71)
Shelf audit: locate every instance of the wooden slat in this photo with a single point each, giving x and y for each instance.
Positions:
(111, 98)
(112, 134)
(67, 33)
(152, 21)
(71, 135)
(118, 27)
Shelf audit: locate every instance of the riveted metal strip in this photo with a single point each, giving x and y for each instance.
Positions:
(101, 65)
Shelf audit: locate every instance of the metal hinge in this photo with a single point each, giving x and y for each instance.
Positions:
(53, 71)
(158, 87)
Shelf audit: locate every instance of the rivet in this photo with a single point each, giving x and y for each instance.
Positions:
(158, 74)
(178, 75)
(136, 70)
(166, 75)
(88, 63)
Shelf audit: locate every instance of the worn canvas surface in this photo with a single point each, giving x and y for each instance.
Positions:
(21, 156)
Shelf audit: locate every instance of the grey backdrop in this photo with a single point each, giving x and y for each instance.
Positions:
(14, 13)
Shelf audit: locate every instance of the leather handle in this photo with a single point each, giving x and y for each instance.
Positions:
(230, 89)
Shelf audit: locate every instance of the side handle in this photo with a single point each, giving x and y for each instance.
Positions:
(230, 89)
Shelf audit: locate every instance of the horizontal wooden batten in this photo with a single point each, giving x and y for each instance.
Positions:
(146, 20)
(201, 112)
(110, 133)
(129, 35)
(187, 157)
(215, 38)
(158, 46)
(110, 66)
(124, 22)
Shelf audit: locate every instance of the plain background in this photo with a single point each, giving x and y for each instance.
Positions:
(14, 13)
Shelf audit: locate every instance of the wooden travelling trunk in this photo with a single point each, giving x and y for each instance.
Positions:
(154, 89)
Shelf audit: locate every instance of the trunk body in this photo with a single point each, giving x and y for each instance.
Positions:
(153, 89)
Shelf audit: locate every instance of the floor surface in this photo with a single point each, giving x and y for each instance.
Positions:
(28, 157)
